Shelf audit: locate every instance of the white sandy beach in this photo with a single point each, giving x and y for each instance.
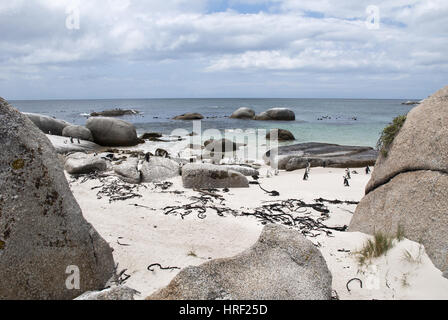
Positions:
(142, 236)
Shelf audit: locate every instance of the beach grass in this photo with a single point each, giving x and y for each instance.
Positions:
(389, 133)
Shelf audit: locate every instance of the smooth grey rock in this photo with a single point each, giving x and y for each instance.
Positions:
(280, 135)
(114, 113)
(151, 136)
(295, 156)
(78, 132)
(243, 113)
(42, 229)
(221, 145)
(128, 171)
(244, 170)
(81, 163)
(189, 116)
(280, 114)
(112, 132)
(282, 265)
(114, 293)
(200, 175)
(158, 169)
(63, 145)
(46, 124)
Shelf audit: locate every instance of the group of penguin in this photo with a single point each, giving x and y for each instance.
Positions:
(346, 177)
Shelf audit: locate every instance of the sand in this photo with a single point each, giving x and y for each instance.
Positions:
(142, 236)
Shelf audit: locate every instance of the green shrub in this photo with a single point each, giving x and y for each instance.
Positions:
(375, 248)
(389, 133)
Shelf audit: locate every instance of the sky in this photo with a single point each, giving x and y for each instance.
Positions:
(79, 49)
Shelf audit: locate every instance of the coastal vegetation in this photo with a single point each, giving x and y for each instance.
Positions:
(389, 133)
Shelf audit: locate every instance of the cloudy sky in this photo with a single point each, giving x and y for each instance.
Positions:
(222, 48)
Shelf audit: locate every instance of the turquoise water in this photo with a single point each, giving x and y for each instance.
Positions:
(347, 121)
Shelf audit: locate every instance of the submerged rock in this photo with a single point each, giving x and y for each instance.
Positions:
(46, 242)
(46, 124)
(280, 134)
(189, 116)
(82, 163)
(112, 132)
(282, 114)
(199, 175)
(282, 265)
(78, 132)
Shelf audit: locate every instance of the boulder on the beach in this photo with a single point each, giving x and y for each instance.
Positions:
(221, 145)
(159, 169)
(243, 113)
(297, 156)
(206, 176)
(46, 124)
(281, 265)
(78, 132)
(189, 116)
(280, 114)
(82, 163)
(64, 145)
(114, 113)
(409, 187)
(114, 293)
(45, 242)
(112, 132)
(128, 171)
(280, 135)
(244, 170)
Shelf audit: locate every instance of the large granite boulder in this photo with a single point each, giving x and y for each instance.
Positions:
(128, 171)
(243, 113)
(47, 124)
(82, 163)
(64, 145)
(206, 176)
(115, 293)
(409, 188)
(159, 169)
(44, 238)
(297, 156)
(280, 135)
(189, 116)
(281, 114)
(281, 265)
(78, 132)
(112, 132)
(221, 145)
(243, 169)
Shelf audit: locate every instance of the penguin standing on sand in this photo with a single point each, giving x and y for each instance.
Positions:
(346, 184)
(367, 170)
(347, 173)
(305, 175)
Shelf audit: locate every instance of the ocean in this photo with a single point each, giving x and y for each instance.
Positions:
(342, 121)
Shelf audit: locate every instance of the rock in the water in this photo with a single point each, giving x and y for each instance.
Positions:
(282, 114)
(189, 116)
(114, 293)
(199, 175)
(243, 113)
(64, 145)
(158, 169)
(81, 163)
(78, 132)
(151, 136)
(280, 134)
(296, 156)
(46, 124)
(112, 132)
(45, 239)
(114, 113)
(128, 171)
(409, 188)
(282, 265)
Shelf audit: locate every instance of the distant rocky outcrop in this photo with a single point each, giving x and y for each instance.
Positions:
(114, 113)
(46, 124)
(282, 114)
(189, 116)
(409, 187)
(282, 265)
(112, 132)
(199, 175)
(82, 163)
(297, 156)
(158, 169)
(280, 134)
(243, 113)
(45, 242)
(78, 132)
(409, 103)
